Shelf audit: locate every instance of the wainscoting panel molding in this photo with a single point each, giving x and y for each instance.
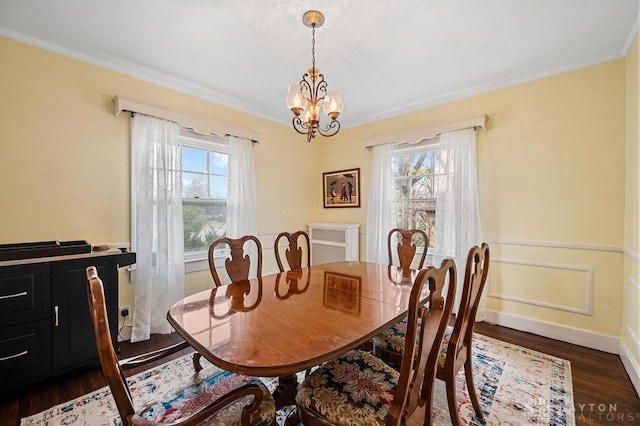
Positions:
(632, 254)
(585, 309)
(555, 244)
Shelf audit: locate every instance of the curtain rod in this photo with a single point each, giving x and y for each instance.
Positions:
(201, 125)
(428, 132)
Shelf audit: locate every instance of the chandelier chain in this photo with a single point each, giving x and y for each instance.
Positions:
(313, 47)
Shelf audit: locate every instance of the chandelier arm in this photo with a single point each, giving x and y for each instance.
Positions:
(299, 126)
(331, 128)
(307, 85)
(321, 87)
(322, 83)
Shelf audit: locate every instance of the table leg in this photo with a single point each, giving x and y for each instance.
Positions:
(285, 392)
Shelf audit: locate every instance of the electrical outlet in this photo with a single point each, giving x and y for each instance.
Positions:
(125, 311)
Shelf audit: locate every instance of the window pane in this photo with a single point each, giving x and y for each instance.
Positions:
(194, 185)
(418, 187)
(402, 165)
(219, 163)
(418, 215)
(402, 188)
(205, 169)
(218, 185)
(194, 159)
(204, 221)
(421, 163)
(415, 178)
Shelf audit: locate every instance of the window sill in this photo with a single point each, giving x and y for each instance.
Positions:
(195, 265)
(195, 262)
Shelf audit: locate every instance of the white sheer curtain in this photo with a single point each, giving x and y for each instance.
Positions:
(457, 211)
(381, 205)
(157, 227)
(241, 194)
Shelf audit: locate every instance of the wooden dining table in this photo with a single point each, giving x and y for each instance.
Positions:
(280, 324)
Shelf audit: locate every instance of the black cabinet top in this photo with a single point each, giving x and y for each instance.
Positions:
(42, 249)
(63, 251)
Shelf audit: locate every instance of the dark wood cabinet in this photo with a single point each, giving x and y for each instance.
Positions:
(45, 326)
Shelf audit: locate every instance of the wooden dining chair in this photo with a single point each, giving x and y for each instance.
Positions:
(293, 253)
(239, 262)
(405, 250)
(226, 398)
(457, 349)
(359, 388)
(237, 265)
(406, 247)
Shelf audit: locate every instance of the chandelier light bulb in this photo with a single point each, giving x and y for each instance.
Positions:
(295, 99)
(306, 115)
(333, 105)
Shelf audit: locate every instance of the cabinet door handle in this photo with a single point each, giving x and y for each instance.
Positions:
(55, 310)
(9, 296)
(6, 358)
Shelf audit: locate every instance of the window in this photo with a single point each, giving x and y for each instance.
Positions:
(205, 175)
(416, 175)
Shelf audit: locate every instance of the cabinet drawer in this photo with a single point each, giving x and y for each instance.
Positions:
(25, 293)
(25, 351)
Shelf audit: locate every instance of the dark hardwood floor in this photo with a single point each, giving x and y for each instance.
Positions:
(602, 390)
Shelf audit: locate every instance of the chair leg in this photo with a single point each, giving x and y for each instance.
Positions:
(471, 387)
(196, 361)
(428, 394)
(450, 381)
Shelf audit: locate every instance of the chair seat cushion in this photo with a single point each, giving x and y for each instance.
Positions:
(442, 355)
(392, 339)
(355, 389)
(204, 389)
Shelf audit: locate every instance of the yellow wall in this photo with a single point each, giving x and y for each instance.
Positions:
(65, 157)
(551, 170)
(631, 324)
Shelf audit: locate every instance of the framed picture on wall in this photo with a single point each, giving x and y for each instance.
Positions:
(341, 188)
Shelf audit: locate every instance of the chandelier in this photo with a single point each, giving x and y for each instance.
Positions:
(304, 98)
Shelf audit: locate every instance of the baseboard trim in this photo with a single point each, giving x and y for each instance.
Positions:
(633, 370)
(588, 339)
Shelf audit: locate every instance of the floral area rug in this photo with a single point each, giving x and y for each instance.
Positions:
(516, 386)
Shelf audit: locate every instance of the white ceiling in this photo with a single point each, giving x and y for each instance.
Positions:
(387, 57)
